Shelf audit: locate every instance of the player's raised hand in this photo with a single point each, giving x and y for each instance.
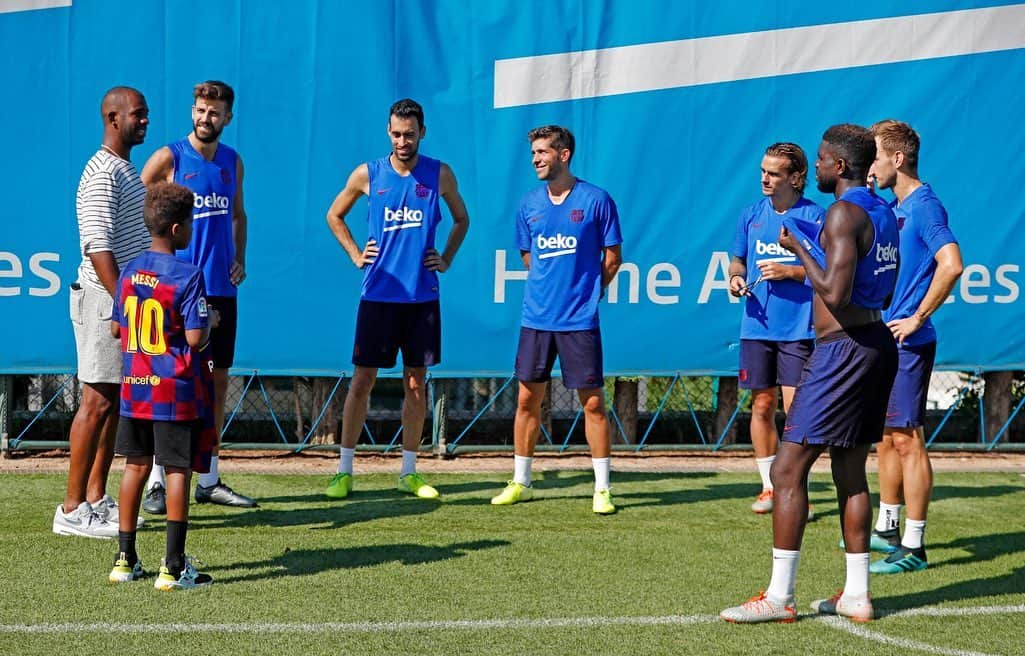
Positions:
(787, 240)
(368, 256)
(434, 261)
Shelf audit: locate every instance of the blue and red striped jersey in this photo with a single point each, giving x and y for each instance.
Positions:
(159, 298)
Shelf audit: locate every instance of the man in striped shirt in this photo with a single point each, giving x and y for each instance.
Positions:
(111, 233)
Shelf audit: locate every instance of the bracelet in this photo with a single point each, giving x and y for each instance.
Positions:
(736, 275)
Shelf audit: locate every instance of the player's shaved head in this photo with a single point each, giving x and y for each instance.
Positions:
(117, 100)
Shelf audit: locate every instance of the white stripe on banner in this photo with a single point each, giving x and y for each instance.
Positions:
(752, 55)
(11, 6)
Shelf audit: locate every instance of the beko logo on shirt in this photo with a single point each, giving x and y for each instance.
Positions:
(562, 245)
(887, 256)
(403, 218)
(210, 202)
(770, 248)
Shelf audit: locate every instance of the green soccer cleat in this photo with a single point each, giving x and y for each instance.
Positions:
(513, 493)
(125, 573)
(416, 485)
(340, 486)
(901, 561)
(602, 503)
(882, 541)
(189, 579)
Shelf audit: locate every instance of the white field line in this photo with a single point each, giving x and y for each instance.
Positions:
(861, 631)
(472, 625)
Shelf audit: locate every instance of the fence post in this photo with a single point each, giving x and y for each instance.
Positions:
(726, 405)
(6, 389)
(624, 400)
(440, 425)
(997, 392)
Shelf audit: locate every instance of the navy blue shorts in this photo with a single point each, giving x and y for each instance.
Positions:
(579, 353)
(765, 363)
(383, 329)
(844, 389)
(222, 338)
(911, 386)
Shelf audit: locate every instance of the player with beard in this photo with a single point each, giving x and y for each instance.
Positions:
(213, 171)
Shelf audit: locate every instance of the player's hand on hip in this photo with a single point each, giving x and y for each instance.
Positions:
(434, 261)
(904, 328)
(238, 273)
(368, 256)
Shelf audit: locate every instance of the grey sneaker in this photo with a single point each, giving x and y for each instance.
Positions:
(106, 508)
(82, 522)
(155, 500)
(223, 495)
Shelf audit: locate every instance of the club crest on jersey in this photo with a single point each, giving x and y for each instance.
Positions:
(225, 176)
(422, 191)
(576, 216)
(900, 222)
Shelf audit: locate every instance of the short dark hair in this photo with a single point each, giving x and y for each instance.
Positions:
(798, 161)
(560, 137)
(166, 203)
(214, 90)
(896, 135)
(853, 144)
(407, 108)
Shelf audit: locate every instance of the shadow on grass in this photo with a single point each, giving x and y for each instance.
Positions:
(305, 562)
(941, 492)
(321, 514)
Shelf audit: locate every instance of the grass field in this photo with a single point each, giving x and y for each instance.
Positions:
(382, 573)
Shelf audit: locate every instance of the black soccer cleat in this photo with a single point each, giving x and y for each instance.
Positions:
(222, 495)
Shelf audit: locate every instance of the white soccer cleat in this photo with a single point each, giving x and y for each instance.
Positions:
(760, 609)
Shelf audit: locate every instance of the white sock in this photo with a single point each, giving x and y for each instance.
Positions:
(601, 472)
(857, 575)
(408, 462)
(521, 469)
(764, 465)
(914, 533)
(784, 572)
(156, 476)
(345, 457)
(210, 478)
(889, 516)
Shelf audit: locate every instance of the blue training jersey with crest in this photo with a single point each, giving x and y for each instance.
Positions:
(213, 184)
(778, 310)
(876, 273)
(565, 243)
(403, 218)
(922, 222)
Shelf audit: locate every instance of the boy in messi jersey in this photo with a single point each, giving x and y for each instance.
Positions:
(160, 315)
(776, 337)
(214, 172)
(398, 308)
(568, 234)
(930, 264)
(840, 401)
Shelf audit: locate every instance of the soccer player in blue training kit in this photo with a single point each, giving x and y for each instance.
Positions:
(840, 402)
(213, 171)
(398, 308)
(776, 336)
(930, 264)
(160, 314)
(568, 234)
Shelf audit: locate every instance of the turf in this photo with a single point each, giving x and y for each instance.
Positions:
(383, 566)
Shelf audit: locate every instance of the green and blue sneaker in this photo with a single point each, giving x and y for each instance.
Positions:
(882, 541)
(340, 486)
(903, 560)
(124, 572)
(416, 485)
(602, 503)
(513, 493)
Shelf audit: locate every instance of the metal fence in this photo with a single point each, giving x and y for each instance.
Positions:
(476, 414)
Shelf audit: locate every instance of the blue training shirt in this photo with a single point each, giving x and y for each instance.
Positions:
(403, 218)
(876, 272)
(213, 183)
(565, 243)
(778, 310)
(922, 222)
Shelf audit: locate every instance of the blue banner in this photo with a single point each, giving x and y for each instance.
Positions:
(672, 104)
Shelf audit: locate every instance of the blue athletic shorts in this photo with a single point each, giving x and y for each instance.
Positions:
(766, 363)
(844, 389)
(579, 353)
(911, 386)
(383, 329)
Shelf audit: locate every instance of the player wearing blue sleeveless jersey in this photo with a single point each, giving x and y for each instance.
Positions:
(398, 308)
(214, 172)
(840, 402)
(568, 234)
(930, 264)
(775, 332)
